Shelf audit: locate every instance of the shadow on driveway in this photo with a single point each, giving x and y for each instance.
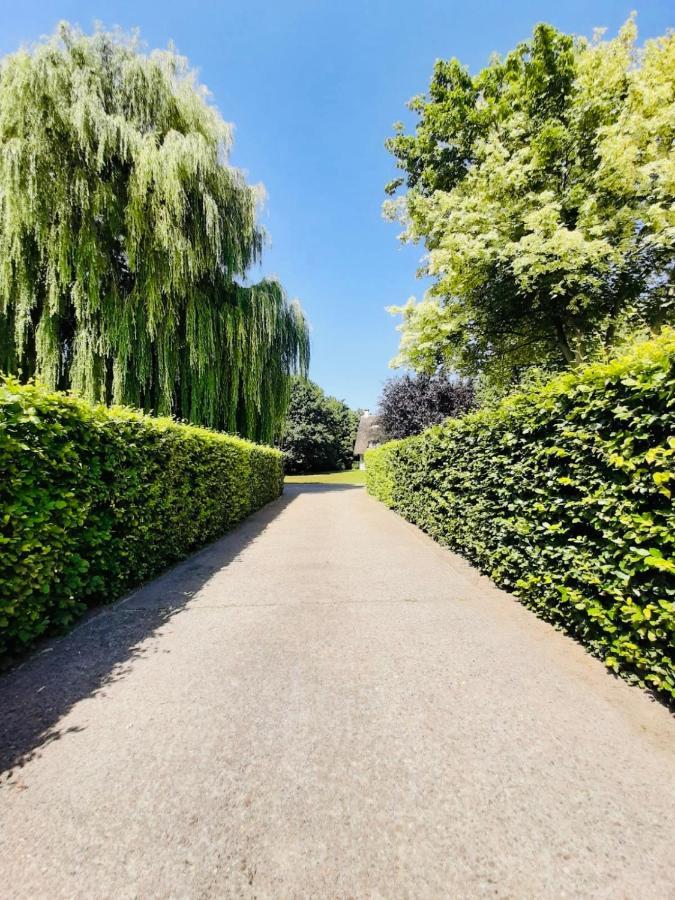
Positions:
(35, 695)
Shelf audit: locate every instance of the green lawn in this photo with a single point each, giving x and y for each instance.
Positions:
(353, 476)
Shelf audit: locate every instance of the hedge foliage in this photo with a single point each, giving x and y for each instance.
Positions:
(95, 499)
(564, 496)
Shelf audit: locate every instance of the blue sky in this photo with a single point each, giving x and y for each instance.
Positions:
(313, 88)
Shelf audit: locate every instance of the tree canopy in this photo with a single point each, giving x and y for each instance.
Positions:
(543, 190)
(125, 237)
(411, 403)
(319, 432)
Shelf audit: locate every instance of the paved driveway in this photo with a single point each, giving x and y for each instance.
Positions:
(326, 704)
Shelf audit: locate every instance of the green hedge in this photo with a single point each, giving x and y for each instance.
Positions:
(563, 496)
(94, 500)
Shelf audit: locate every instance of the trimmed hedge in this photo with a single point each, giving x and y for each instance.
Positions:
(94, 500)
(563, 496)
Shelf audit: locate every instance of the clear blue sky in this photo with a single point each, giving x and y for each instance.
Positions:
(313, 87)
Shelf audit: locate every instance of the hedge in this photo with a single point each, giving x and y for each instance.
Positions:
(563, 496)
(94, 500)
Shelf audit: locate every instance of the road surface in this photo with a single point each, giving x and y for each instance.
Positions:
(326, 704)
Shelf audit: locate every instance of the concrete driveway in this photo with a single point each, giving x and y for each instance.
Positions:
(325, 704)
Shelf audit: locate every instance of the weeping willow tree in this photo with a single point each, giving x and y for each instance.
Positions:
(125, 237)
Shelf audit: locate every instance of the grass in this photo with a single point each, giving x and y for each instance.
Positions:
(351, 476)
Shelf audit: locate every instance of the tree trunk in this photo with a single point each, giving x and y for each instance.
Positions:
(563, 343)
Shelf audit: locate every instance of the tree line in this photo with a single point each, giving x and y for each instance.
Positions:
(541, 187)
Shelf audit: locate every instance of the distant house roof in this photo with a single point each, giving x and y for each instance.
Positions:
(370, 434)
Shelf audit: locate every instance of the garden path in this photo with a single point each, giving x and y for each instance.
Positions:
(326, 704)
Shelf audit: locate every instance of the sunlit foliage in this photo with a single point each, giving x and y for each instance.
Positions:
(125, 237)
(543, 190)
(95, 499)
(563, 494)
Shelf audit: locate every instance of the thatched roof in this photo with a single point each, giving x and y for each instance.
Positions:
(370, 434)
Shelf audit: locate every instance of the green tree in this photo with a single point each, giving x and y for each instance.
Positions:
(124, 236)
(543, 190)
(320, 430)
